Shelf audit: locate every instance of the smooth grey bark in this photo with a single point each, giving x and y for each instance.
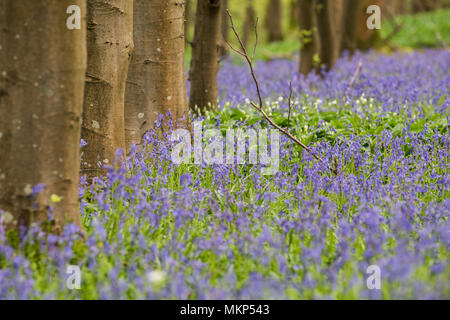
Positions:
(156, 81)
(42, 73)
(109, 45)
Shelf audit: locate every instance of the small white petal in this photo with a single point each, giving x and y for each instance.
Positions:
(95, 124)
(7, 217)
(28, 189)
(156, 276)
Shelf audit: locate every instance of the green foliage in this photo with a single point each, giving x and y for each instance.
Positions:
(421, 30)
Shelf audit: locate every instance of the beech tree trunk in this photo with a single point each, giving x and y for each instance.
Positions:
(42, 73)
(223, 50)
(310, 45)
(327, 31)
(156, 81)
(205, 55)
(338, 12)
(109, 45)
(352, 9)
(273, 21)
(293, 14)
(366, 38)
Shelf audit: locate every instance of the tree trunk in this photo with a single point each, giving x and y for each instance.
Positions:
(205, 55)
(424, 5)
(309, 39)
(156, 81)
(293, 14)
(352, 9)
(273, 21)
(109, 45)
(327, 31)
(366, 38)
(42, 73)
(338, 12)
(223, 49)
(249, 23)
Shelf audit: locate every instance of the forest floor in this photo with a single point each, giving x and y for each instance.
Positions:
(226, 231)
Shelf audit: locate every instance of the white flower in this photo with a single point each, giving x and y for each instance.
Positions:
(156, 276)
(95, 124)
(28, 189)
(7, 217)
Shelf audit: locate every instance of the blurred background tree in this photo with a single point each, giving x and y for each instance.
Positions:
(288, 18)
(321, 30)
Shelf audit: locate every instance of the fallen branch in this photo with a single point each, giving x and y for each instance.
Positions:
(259, 107)
(355, 76)
(290, 103)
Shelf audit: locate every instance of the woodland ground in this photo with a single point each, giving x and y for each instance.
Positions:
(158, 230)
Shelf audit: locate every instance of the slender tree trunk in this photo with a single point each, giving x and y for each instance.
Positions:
(293, 14)
(338, 12)
(156, 81)
(424, 5)
(327, 31)
(109, 45)
(352, 9)
(42, 73)
(223, 49)
(273, 21)
(205, 55)
(309, 38)
(249, 23)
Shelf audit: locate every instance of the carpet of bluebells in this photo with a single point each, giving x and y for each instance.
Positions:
(156, 230)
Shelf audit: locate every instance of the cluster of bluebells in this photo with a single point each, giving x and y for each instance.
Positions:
(398, 81)
(159, 230)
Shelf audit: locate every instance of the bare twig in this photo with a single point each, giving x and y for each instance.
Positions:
(391, 17)
(287, 133)
(290, 103)
(388, 38)
(259, 107)
(397, 26)
(355, 76)
(246, 56)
